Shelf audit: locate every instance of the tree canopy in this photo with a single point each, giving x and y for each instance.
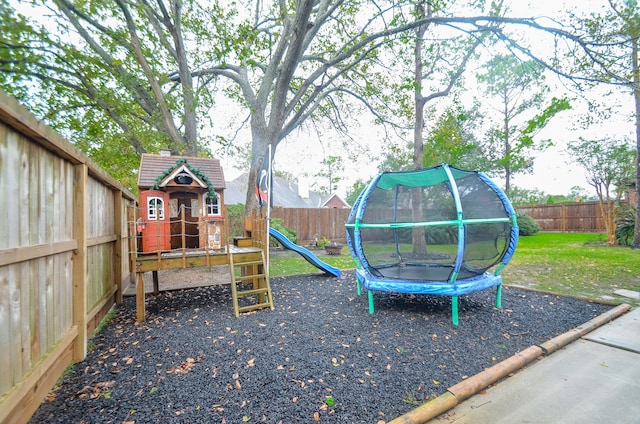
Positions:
(128, 76)
(609, 167)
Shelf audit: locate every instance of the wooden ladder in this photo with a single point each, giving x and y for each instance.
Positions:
(248, 268)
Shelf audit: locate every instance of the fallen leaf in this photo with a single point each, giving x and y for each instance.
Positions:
(316, 416)
(329, 401)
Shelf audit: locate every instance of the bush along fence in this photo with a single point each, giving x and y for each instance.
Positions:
(63, 256)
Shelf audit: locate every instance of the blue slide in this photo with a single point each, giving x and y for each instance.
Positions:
(305, 253)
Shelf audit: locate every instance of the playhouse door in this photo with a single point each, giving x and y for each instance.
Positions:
(154, 221)
(187, 202)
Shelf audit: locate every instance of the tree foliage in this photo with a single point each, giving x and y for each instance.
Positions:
(140, 75)
(609, 167)
(615, 59)
(330, 175)
(354, 191)
(450, 138)
(518, 86)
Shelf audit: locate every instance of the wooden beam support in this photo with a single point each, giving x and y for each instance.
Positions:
(26, 253)
(80, 261)
(140, 307)
(119, 248)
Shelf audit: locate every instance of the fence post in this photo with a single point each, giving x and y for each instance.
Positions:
(80, 261)
(118, 217)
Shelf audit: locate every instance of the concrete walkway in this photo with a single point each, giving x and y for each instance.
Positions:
(588, 375)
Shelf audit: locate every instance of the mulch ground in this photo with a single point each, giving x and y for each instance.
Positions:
(319, 356)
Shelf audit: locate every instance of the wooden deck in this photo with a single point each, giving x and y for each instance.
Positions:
(181, 259)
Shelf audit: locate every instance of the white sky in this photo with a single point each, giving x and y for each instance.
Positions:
(551, 175)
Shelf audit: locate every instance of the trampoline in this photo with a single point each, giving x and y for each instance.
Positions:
(438, 231)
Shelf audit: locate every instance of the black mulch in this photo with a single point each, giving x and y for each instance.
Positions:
(319, 356)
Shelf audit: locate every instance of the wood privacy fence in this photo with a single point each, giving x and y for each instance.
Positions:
(582, 217)
(63, 256)
(310, 224)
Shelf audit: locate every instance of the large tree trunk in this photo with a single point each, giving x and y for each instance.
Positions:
(507, 148)
(272, 95)
(417, 233)
(636, 97)
(186, 80)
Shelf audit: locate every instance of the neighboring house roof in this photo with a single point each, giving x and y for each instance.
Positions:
(153, 166)
(285, 194)
(334, 201)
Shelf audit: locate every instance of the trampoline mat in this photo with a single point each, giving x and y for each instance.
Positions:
(422, 273)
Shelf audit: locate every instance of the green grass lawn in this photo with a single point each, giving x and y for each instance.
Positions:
(577, 265)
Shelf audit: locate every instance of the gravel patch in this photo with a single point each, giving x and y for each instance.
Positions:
(319, 356)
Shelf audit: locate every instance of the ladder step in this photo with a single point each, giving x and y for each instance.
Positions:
(248, 277)
(252, 292)
(254, 307)
(247, 263)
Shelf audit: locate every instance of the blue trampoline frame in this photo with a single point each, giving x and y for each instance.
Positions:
(454, 286)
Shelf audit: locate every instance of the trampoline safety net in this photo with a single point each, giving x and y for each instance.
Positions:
(436, 224)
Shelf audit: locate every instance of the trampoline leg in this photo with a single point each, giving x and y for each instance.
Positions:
(454, 310)
(499, 296)
(359, 286)
(370, 295)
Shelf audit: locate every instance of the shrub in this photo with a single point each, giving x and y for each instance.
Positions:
(527, 225)
(276, 224)
(235, 214)
(626, 226)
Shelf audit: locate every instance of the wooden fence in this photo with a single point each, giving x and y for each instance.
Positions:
(63, 256)
(582, 217)
(310, 224)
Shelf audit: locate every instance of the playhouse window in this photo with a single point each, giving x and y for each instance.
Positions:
(212, 205)
(155, 208)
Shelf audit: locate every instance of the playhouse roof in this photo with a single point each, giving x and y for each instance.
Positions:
(153, 166)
